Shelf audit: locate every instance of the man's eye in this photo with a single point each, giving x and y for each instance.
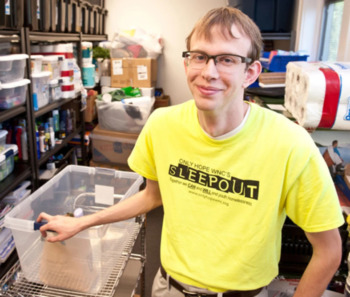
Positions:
(227, 60)
(198, 57)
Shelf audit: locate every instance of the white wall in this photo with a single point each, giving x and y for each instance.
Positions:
(173, 20)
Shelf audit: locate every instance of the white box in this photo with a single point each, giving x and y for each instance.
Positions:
(85, 261)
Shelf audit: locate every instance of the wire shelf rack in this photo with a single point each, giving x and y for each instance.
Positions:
(14, 284)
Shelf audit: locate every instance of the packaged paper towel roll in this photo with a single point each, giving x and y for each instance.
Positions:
(318, 94)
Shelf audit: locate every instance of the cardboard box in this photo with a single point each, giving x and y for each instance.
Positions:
(90, 111)
(135, 72)
(121, 73)
(144, 71)
(112, 147)
(109, 165)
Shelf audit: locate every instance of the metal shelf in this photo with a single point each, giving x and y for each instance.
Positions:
(54, 105)
(9, 36)
(20, 173)
(46, 156)
(125, 275)
(276, 36)
(87, 37)
(51, 36)
(10, 113)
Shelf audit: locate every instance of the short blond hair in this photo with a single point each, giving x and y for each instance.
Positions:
(225, 17)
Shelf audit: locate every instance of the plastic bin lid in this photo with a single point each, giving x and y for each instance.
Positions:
(10, 150)
(36, 57)
(52, 58)
(15, 84)
(13, 57)
(41, 74)
(3, 133)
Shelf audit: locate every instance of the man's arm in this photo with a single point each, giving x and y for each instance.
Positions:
(325, 260)
(140, 203)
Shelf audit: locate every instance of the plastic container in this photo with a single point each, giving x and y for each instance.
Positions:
(44, 16)
(69, 15)
(103, 19)
(89, 76)
(53, 63)
(55, 90)
(84, 262)
(129, 117)
(94, 20)
(6, 14)
(41, 88)
(18, 194)
(76, 16)
(67, 87)
(85, 17)
(279, 63)
(7, 160)
(60, 16)
(30, 14)
(86, 52)
(36, 63)
(13, 94)
(7, 244)
(18, 14)
(12, 67)
(3, 134)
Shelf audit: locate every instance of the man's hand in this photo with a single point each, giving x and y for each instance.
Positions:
(64, 226)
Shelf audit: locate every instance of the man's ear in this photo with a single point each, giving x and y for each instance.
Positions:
(252, 73)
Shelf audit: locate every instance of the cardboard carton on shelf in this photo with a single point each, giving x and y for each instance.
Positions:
(109, 166)
(111, 147)
(90, 111)
(136, 72)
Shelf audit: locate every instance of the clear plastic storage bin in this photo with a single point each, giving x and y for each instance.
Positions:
(3, 134)
(85, 261)
(7, 162)
(129, 115)
(12, 67)
(13, 94)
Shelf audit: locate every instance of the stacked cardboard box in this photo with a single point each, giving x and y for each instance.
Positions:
(135, 72)
(111, 147)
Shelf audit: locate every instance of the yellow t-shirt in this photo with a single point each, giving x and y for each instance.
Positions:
(225, 201)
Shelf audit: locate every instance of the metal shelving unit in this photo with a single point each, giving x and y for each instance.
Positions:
(122, 282)
(22, 170)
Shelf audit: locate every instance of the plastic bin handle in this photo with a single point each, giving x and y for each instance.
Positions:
(37, 225)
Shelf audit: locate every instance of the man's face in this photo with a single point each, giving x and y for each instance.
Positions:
(214, 90)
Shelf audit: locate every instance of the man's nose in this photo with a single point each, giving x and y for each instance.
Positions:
(210, 71)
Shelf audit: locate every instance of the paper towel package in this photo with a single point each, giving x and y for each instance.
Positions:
(84, 262)
(317, 94)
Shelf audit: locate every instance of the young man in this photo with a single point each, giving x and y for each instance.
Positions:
(227, 173)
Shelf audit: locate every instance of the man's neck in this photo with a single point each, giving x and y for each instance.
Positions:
(221, 123)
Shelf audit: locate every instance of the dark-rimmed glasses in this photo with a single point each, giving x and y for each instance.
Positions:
(223, 62)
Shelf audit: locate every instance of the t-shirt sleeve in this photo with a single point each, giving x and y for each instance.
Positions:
(141, 159)
(312, 201)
